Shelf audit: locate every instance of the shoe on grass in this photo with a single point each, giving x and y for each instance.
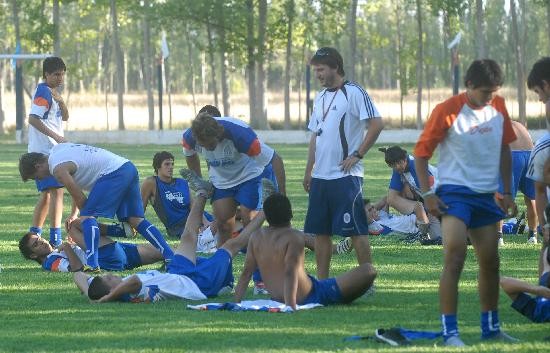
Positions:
(532, 240)
(259, 289)
(453, 341)
(500, 337)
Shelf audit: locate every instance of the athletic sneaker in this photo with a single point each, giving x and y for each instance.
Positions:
(532, 240)
(392, 337)
(199, 185)
(259, 289)
(453, 341)
(500, 242)
(375, 228)
(423, 227)
(268, 189)
(501, 337)
(89, 269)
(344, 246)
(129, 231)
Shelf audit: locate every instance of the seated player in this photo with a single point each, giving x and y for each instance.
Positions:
(404, 192)
(278, 251)
(187, 277)
(113, 256)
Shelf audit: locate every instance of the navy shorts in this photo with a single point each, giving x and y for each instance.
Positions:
(336, 207)
(116, 193)
(474, 209)
(246, 193)
(520, 162)
(47, 183)
(119, 256)
(209, 274)
(324, 292)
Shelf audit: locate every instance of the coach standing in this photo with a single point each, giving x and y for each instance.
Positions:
(334, 171)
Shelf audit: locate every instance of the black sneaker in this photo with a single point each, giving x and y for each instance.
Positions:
(392, 336)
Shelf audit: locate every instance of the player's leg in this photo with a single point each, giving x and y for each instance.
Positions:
(323, 254)
(355, 282)
(149, 254)
(76, 235)
(224, 212)
(55, 215)
(454, 253)
(241, 241)
(188, 241)
(90, 231)
(40, 212)
(532, 219)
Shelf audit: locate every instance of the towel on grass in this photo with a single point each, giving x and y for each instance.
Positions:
(270, 306)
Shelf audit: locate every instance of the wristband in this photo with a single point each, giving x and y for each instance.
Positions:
(357, 154)
(427, 193)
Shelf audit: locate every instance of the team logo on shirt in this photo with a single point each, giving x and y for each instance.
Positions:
(482, 130)
(171, 196)
(347, 217)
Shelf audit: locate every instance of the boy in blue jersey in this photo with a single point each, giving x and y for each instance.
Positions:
(113, 256)
(404, 191)
(236, 160)
(47, 113)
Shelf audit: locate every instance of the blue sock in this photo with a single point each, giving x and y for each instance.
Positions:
(55, 237)
(115, 230)
(490, 324)
(90, 230)
(449, 325)
(257, 276)
(36, 230)
(531, 233)
(153, 235)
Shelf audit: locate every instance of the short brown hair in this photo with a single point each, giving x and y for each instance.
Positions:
(205, 126)
(330, 57)
(24, 247)
(160, 157)
(98, 288)
(28, 162)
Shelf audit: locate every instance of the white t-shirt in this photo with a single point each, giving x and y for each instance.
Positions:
(539, 156)
(339, 119)
(157, 286)
(45, 108)
(91, 162)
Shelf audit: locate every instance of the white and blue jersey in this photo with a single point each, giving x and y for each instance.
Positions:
(156, 286)
(238, 157)
(45, 108)
(339, 119)
(409, 177)
(539, 156)
(172, 204)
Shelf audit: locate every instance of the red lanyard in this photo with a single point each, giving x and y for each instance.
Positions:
(329, 105)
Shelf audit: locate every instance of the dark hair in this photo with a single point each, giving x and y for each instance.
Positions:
(539, 72)
(484, 73)
(278, 211)
(28, 162)
(204, 126)
(330, 57)
(210, 109)
(52, 64)
(24, 247)
(98, 288)
(160, 157)
(393, 154)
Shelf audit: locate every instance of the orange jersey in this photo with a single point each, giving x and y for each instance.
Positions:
(470, 141)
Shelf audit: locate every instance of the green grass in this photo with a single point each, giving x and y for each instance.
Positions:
(42, 311)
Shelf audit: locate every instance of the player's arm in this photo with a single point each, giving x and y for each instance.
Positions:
(37, 123)
(81, 281)
(508, 203)
(148, 188)
(279, 170)
(375, 127)
(294, 258)
(75, 264)
(194, 163)
(249, 268)
(541, 200)
(310, 161)
(63, 173)
(61, 103)
(513, 287)
(130, 286)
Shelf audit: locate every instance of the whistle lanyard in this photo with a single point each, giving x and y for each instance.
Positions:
(329, 105)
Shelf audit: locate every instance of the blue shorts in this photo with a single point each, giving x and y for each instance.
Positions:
(474, 209)
(520, 162)
(209, 274)
(536, 309)
(119, 256)
(246, 193)
(47, 183)
(116, 193)
(336, 207)
(324, 292)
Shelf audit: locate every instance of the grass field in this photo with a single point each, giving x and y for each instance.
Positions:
(42, 311)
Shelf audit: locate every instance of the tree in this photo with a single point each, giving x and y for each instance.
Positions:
(147, 69)
(480, 30)
(352, 40)
(119, 61)
(419, 64)
(251, 60)
(290, 14)
(260, 121)
(519, 62)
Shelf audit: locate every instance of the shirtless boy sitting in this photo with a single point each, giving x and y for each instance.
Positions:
(278, 251)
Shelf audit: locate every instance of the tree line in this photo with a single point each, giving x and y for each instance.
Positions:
(223, 47)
